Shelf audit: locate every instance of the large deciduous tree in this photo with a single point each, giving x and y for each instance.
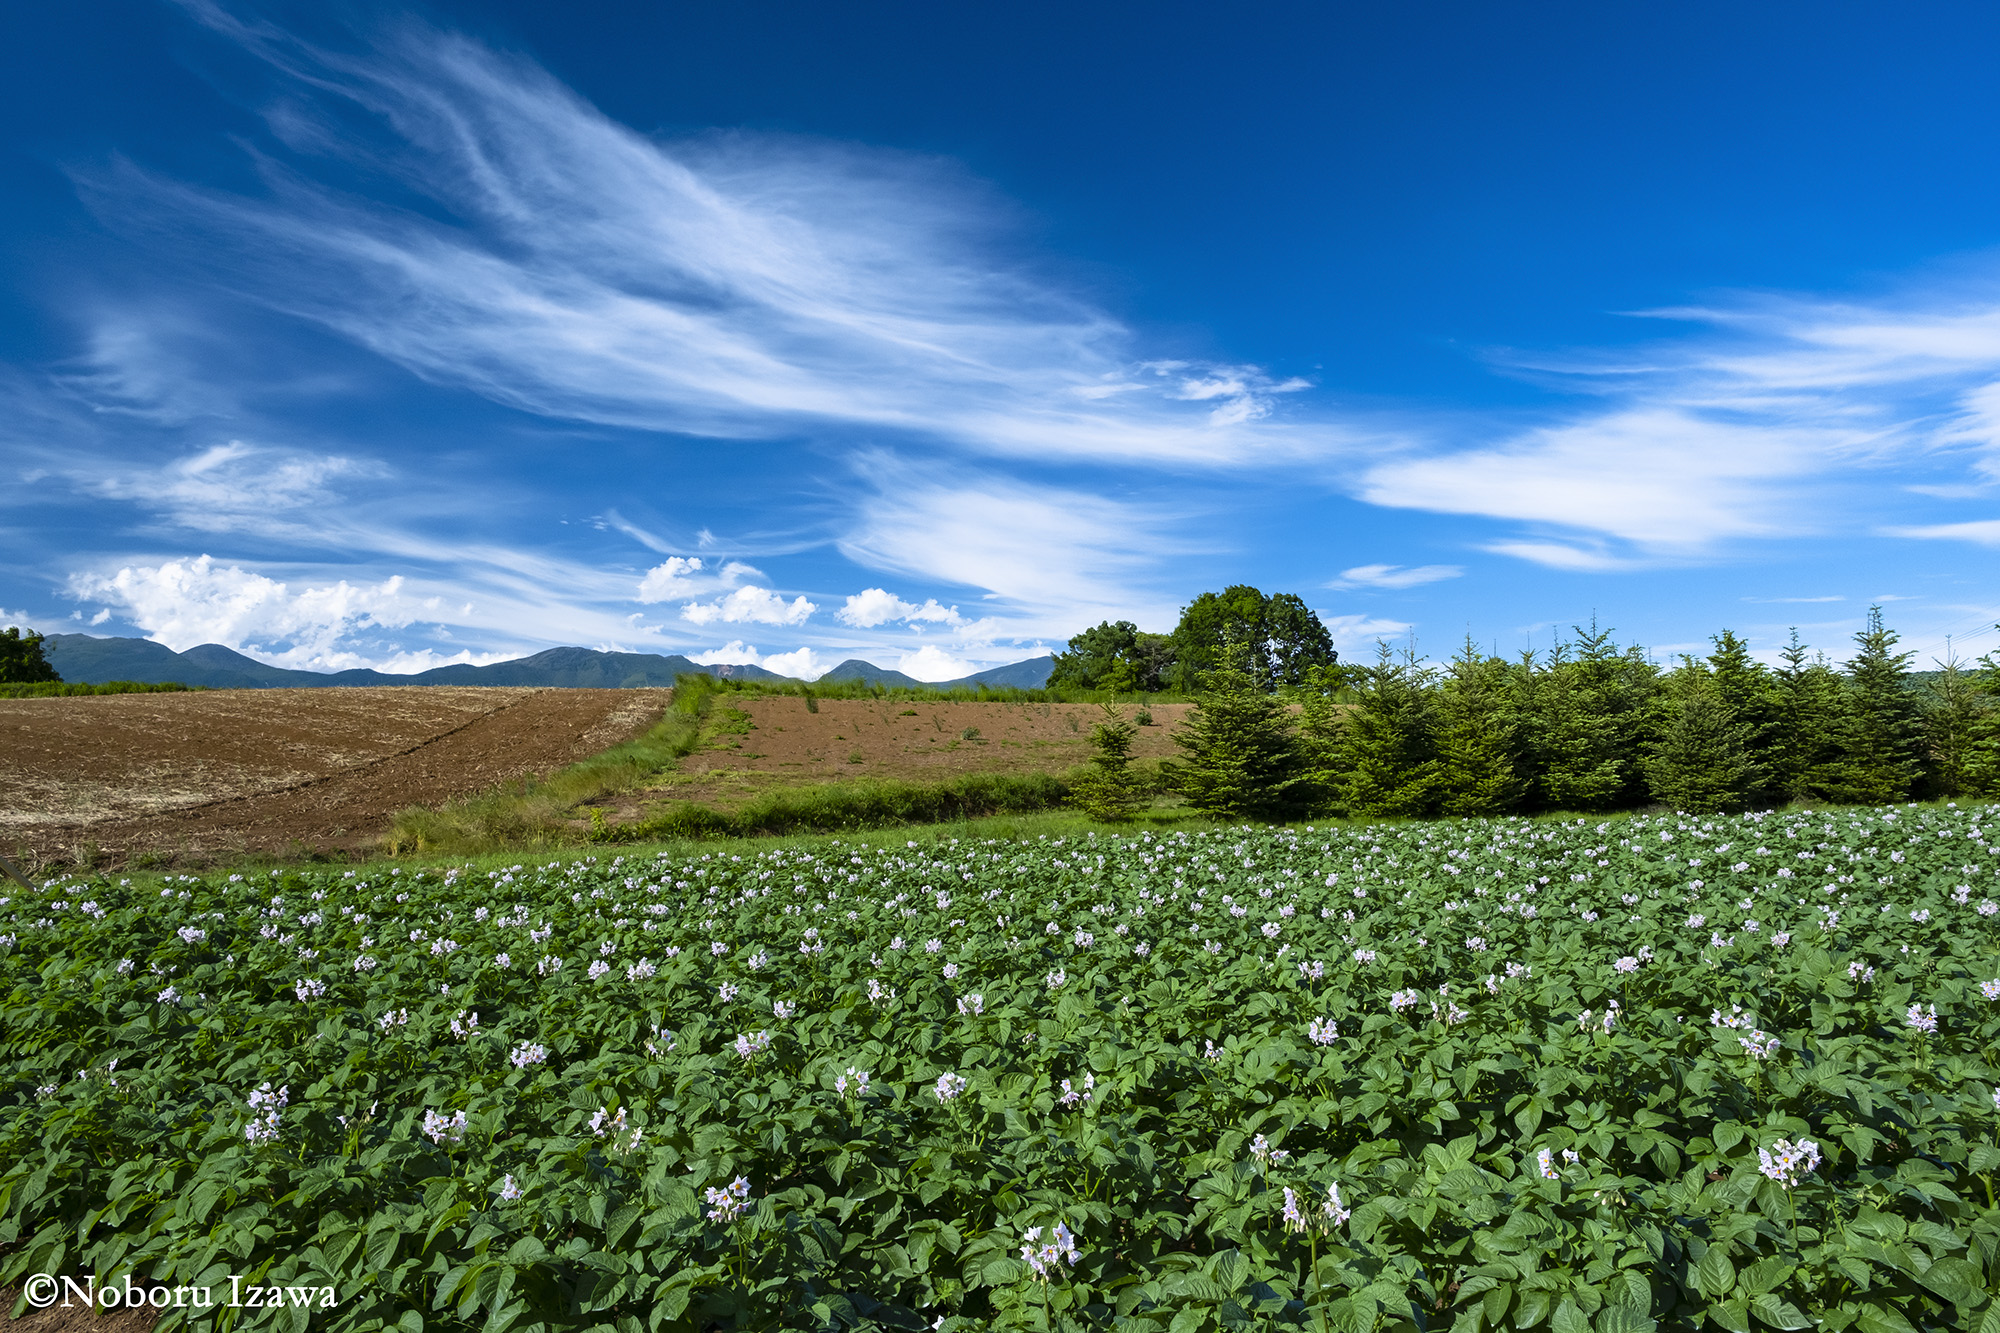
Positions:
(1115, 655)
(21, 659)
(1274, 640)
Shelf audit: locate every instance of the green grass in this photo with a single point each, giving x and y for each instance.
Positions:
(843, 806)
(538, 812)
(57, 689)
(541, 814)
(1027, 825)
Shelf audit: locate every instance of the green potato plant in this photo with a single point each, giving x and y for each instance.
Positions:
(1656, 1072)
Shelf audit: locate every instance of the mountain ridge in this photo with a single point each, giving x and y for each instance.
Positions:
(88, 659)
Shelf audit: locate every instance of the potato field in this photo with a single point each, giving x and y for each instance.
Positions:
(1607, 1074)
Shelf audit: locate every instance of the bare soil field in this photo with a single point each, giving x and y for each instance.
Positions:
(205, 775)
(765, 743)
(202, 777)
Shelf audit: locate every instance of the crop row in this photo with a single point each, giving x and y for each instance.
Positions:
(1616, 1074)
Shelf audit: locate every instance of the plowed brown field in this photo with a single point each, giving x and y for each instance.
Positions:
(205, 775)
(776, 742)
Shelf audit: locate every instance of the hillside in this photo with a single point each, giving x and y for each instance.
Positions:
(87, 659)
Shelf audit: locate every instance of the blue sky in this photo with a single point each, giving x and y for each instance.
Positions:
(365, 335)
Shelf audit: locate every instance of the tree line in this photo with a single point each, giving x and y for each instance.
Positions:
(1276, 640)
(1588, 726)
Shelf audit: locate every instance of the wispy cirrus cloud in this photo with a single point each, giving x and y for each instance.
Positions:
(1052, 559)
(1660, 479)
(1354, 635)
(1772, 418)
(233, 486)
(1394, 577)
(730, 285)
(1980, 532)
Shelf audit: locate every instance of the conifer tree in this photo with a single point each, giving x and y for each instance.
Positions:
(1982, 768)
(1950, 705)
(1478, 737)
(1803, 762)
(1583, 722)
(1388, 764)
(1746, 687)
(1881, 733)
(1700, 761)
(1242, 758)
(1109, 790)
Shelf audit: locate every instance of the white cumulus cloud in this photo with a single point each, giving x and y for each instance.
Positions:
(932, 663)
(754, 605)
(686, 576)
(800, 663)
(874, 606)
(671, 579)
(409, 663)
(182, 603)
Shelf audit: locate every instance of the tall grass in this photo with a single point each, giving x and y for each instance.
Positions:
(541, 813)
(535, 812)
(62, 689)
(846, 806)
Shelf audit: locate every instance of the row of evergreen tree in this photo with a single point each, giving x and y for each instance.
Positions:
(1591, 726)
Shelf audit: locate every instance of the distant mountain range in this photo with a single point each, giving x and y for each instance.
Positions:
(88, 660)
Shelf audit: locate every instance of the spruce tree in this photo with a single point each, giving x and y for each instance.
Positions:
(1882, 730)
(1950, 705)
(1982, 767)
(1804, 761)
(1583, 725)
(1477, 737)
(1109, 790)
(1387, 741)
(1242, 759)
(1625, 684)
(1745, 686)
(1701, 760)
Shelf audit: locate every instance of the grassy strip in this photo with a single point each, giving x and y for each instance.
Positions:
(60, 689)
(539, 813)
(847, 806)
(535, 812)
(1028, 826)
